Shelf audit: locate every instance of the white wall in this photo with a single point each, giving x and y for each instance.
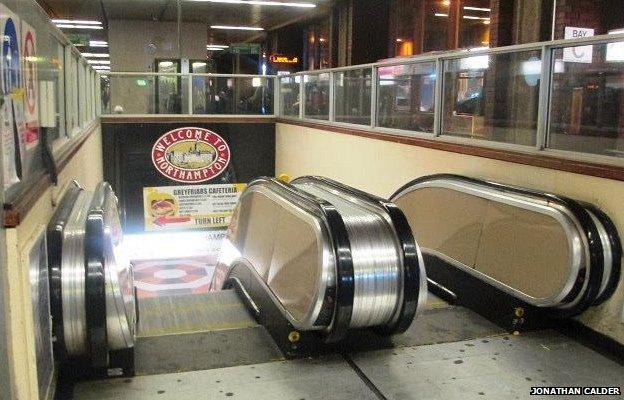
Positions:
(381, 167)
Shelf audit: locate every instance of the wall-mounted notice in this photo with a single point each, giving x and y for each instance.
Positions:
(31, 95)
(580, 54)
(11, 56)
(190, 207)
(9, 148)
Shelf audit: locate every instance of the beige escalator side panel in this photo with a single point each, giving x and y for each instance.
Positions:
(257, 218)
(294, 270)
(288, 247)
(525, 250)
(446, 221)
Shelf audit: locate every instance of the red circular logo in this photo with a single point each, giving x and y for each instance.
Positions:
(191, 155)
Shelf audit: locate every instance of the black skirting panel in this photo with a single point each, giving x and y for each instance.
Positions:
(128, 166)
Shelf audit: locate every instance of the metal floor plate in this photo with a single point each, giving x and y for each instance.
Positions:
(319, 379)
(198, 332)
(449, 353)
(503, 367)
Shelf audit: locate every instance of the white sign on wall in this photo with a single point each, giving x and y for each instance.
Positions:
(580, 54)
(31, 101)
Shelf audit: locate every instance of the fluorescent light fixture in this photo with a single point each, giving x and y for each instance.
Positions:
(441, 15)
(95, 55)
(101, 67)
(199, 64)
(531, 67)
(221, 46)
(99, 62)
(477, 9)
(76, 21)
(214, 48)
(475, 63)
(68, 26)
(98, 43)
(237, 28)
(476, 18)
(262, 3)
(615, 51)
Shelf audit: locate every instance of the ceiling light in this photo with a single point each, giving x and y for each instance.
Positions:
(238, 28)
(478, 9)
(262, 3)
(95, 55)
(218, 46)
(75, 21)
(199, 64)
(441, 15)
(446, 3)
(67, 26)
(475, 17)
(215, 48)
(101, 67)
(98, 43)
(100, 62)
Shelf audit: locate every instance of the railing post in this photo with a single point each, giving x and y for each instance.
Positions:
(190, 94)
(301, 95)
(438, 98)
(332, 100)
(373, 108)
(277, 96)
(543, 108)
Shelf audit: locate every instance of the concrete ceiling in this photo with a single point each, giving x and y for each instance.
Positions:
(166, 10)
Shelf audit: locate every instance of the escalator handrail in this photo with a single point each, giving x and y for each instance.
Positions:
(414, 279)
(615, 245)
(54, 236)
(95, 279)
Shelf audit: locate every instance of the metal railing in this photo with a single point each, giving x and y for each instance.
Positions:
(176, 93)
(564, 98)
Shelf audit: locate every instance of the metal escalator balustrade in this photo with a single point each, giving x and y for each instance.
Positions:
(546, 250)
(330, 258)
(93, 303)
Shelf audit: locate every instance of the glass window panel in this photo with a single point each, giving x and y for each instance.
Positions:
(57, 71)
(474, 25)
(71, 92)
(587, 101)
(493, 97)
(352, 96)
(129, 94)
(316, 96)
(105, 95)
(405, 96)
(229, 95)
(290, 96)
(437, 14)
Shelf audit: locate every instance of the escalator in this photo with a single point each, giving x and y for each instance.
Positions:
(314, 267)
(507, 250)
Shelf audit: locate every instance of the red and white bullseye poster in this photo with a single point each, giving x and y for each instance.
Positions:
(31, 97)
(154, 278)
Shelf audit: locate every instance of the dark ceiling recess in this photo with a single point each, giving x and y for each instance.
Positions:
(207, 13)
